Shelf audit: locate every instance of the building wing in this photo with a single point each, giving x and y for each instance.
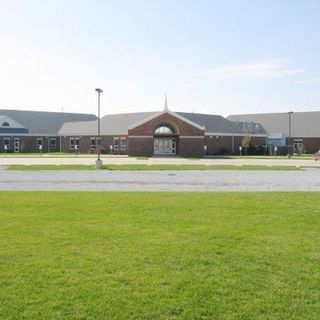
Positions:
(303, 124)
(41, 122)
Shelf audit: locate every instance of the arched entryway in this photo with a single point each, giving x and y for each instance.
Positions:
(165, 141)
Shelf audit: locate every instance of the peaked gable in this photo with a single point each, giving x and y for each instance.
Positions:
(173, 114)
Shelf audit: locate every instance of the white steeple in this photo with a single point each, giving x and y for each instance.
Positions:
(165, 103)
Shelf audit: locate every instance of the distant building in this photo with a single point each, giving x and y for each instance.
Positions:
(34, 131)
(305, 129)
(162, 133)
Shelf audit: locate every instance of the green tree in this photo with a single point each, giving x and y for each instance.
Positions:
(246, 140)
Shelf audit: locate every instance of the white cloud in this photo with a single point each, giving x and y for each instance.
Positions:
(315, 80)
(258, 69)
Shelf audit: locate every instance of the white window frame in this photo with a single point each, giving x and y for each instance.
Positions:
(116, 146)
(8, 144)
(39, 144)
(123, 143)
(54, 145)
(74, 143)
(71, 143)
(93, 143)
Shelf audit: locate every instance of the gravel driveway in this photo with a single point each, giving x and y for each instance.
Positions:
(304, 180)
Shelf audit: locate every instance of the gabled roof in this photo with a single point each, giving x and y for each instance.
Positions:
(42, 122)
(173, 114)
(9, 126)
(12, 123)
(213, 123)
(113, 124)
(118, 124)
(303, 124)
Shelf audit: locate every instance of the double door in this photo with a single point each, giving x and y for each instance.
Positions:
(164, 146)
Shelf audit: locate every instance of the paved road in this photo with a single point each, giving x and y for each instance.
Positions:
(306, 180)
(85, 159)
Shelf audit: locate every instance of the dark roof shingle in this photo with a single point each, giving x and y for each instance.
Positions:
(43, 122)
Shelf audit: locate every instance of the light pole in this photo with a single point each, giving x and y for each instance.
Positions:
(289, 138)
(98, 142)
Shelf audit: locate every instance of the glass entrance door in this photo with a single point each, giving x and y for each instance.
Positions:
(164, 146)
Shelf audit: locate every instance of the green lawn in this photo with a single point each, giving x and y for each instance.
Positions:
(155, 167)
(159, 255)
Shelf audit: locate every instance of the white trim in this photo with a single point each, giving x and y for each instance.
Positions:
(234, 134)
(192, 137)
(140, 137)
(173, 114)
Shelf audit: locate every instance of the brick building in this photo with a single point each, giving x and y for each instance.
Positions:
(34, 131)
(298, 131)
(163, 133)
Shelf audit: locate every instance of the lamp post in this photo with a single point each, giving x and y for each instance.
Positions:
(289, 138)
(98, 143)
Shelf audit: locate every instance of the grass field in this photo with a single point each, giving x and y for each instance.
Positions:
(159, 255)
(155, 167)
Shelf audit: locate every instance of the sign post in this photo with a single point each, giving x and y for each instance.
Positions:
(111, 148)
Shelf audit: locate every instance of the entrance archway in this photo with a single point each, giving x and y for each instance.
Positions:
(164, 141)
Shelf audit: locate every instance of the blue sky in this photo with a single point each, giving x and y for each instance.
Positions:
(222, 57)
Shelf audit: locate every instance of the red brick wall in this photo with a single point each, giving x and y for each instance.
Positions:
(310, 145)
(29, 143)
(218, 145)
(191, 147)
(186, 147)
(140, 147)
(85, 144)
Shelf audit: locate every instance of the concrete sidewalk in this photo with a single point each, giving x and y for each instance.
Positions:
(174, 160)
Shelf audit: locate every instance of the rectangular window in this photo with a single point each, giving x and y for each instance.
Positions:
(6, 144)
(116, 143)
(16, 145)
(53, 143)
(93, 143)
(39, 144)
(74, 143)
(123, 143)
(71, 143)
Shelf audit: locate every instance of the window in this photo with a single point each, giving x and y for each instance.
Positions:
(71, 143)
(119, 143)
(5, 124)
(74, 143)
(16, 145)
(93, 143)
(39, 143)
(163, 130)
(6, 144)
(116, 143)
(123, 143)
(53, 143)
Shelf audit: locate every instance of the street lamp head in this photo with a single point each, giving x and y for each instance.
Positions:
(99, 90)
(290, 112)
